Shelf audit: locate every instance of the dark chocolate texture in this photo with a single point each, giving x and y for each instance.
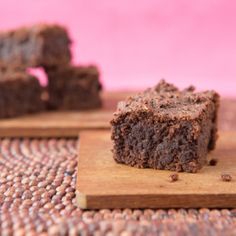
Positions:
(20, 93)
(38, 45)
(74, 87)
(165, 128)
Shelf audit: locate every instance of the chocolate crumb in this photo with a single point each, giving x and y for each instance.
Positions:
(213, 162)
(226, 177)
(174, 177)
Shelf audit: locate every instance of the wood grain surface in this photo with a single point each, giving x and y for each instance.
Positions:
(68, 124)
(101, 183)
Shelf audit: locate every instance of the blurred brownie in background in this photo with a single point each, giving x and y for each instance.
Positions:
(48, 47)
(9, 68)
(20, 93)
(38, 45)
(74, 87)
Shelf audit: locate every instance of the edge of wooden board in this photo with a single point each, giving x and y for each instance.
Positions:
(22, 132)
(155, 201)
(86, 200)
(81, 200)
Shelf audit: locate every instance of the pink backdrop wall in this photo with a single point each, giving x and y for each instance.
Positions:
(136, 43)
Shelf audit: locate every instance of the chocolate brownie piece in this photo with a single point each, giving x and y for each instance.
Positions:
(38, 45)
(20, 93)
(74, 87)
(165, 128)
(5, 68)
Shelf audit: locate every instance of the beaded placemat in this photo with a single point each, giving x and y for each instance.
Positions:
(37, 197)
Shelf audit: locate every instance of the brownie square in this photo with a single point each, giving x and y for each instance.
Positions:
(74, 87)
(165, 128)
(20, 93)
(9, 69)
(38, 45)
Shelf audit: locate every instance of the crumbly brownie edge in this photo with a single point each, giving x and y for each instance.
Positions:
(214, 130)
(206, 123)
(140, 142)
(79, 85)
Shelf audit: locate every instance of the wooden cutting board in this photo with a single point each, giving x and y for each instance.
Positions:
(62, 124)
(101, 183)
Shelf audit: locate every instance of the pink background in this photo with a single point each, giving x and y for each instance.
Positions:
(135, 43)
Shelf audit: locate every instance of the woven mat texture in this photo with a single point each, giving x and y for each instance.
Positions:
(37, 196)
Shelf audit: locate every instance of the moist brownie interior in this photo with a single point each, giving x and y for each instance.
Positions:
(165, 128)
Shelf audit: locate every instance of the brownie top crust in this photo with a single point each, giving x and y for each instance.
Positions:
(37, 45)
(70, 75)
(74, 71)
(167, 102)
(23, 33)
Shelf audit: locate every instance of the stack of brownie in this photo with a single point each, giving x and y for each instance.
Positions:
(48, 46)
